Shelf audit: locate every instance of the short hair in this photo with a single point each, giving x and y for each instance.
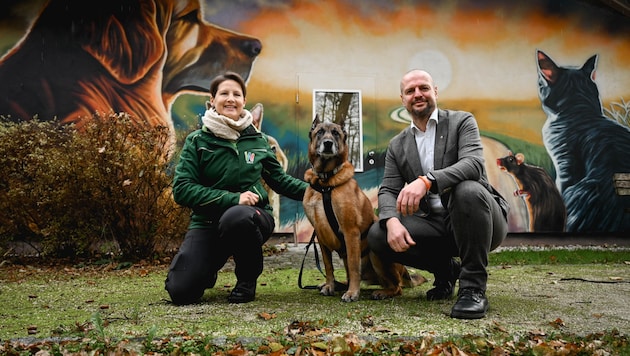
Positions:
(214, 85)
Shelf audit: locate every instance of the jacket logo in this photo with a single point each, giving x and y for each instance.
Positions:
(249, 157)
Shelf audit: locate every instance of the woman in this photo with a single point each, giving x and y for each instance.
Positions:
(219, 177)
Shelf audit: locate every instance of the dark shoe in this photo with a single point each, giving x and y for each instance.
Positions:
(244, 292)
(442, 290)
(445, 289)
(471, 304)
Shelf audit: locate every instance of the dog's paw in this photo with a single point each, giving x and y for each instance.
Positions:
(327, 289)
(350, 296)
(381, 294)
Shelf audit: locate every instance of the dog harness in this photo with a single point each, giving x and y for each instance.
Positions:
(330, 214)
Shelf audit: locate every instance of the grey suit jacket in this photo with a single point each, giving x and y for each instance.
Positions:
(458, 156)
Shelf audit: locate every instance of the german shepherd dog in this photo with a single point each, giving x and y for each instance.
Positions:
(333, 174)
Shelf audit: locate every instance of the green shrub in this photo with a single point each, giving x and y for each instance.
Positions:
(68, 193)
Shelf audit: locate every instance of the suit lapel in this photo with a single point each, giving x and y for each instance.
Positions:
(411, 151)
(441, 136)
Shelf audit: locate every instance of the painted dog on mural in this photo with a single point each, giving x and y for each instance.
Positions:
(133, 56)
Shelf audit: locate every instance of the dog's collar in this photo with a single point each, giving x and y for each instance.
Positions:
(324, 176)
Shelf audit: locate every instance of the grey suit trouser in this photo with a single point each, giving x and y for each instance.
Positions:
(241, 231)
(473, 226)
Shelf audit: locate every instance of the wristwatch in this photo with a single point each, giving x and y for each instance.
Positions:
(431, 178)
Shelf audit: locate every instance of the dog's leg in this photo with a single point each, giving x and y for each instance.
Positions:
(328, 288)
(390, 277)
(352, 263)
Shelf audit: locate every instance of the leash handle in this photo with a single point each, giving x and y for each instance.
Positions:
(316, 263)
(339, 286)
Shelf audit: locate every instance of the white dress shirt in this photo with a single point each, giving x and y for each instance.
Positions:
(425, 142)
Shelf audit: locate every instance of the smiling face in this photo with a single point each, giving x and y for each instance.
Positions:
(229, 99)
(418, 94)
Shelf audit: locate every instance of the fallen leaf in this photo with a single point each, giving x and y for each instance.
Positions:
(267, 316)
(558, 323)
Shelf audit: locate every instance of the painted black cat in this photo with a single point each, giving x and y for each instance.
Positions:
(586, 147)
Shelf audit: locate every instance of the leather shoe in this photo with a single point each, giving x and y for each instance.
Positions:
(445, 289)
(243, 292)
(471, 304)
(442, 290)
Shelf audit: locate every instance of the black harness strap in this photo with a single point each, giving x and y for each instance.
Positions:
(330, 214)
(334, 224)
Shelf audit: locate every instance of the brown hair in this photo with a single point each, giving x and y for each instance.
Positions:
(214, 85)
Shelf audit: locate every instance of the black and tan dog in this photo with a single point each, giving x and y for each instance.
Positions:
(341, 214)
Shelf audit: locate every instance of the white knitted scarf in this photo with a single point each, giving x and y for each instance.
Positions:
(225, 127)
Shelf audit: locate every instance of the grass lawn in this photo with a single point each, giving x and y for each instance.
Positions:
(548, 299)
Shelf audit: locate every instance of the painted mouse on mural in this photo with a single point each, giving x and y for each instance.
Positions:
(586, 147)
(544, 202)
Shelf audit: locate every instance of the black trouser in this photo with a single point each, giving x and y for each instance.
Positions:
(240, 232)
(473, 226)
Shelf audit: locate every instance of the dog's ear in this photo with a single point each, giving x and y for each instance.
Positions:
(257, 115)
(316, 121)
(125, 37)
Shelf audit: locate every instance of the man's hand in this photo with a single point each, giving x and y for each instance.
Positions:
(398, 237)
(408, 201)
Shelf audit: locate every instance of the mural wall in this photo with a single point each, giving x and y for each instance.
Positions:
(547, 80)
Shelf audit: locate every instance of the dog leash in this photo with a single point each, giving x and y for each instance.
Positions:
(338, 285)
(319, 267)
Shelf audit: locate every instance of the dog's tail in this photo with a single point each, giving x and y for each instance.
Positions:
(412, 279)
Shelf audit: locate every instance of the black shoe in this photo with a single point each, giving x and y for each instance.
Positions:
(442, 290)
(445, 289)
(244, 292)
(471, 304)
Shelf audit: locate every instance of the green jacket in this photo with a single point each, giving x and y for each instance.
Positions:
(212, 173)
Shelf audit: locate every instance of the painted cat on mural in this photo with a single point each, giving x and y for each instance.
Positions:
(586, 147)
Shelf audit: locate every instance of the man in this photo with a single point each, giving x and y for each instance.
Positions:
(435, 202)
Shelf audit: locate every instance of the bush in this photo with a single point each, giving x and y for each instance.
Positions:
(69, 193)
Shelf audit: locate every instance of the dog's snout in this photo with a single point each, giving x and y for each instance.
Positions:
(251, 47)
(328, 145)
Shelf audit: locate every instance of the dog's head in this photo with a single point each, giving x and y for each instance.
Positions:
(136, 39)
(328, 147)
(198, 51)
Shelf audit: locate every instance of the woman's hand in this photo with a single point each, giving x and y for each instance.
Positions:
(248, 198)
